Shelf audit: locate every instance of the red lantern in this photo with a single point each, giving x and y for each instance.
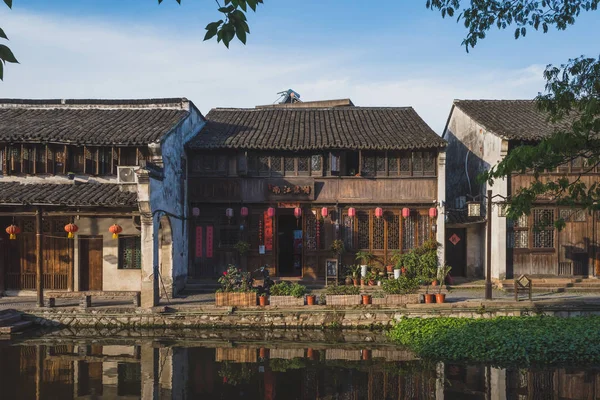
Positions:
(405, 212)
(352, 212)
(115, 230)
(270, 212)
(324, 212)
(297, 212)
(71, 229)
(433, 212)
(13, 231)
(379, 212)
(244, 212)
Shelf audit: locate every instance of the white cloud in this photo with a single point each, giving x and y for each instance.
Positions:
(76, 58)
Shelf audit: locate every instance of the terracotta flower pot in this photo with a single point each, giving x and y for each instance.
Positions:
(429, 298)
(440, 298)
(389, 268)
(355, 281)
(362, 282)
(312, 354)
(366, 355)
(310, 299)
(371, 283)
(366, 299)
(403, 270)
(263, 301)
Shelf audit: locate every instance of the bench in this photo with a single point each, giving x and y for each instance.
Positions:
(85, 298)
(523, 284)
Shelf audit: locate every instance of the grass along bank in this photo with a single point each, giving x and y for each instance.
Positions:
(503, 341)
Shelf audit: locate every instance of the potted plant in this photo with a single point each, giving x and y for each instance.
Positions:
(426, 256)
(311, 299)
(348, 280)
(236, 289)
(337, 247)
(389, 266)
(342, 295)
(370, 278)
(365, 257)
(355, 271)
(263, 299)
(441, 276)
(396, 260)
(287, 294)
(404, 290)
(366, 298)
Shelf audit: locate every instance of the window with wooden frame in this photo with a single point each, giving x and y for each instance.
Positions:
(76, 159)
(378, 233)
(128, 156)
(409, 232)
(518, 237)
(368, 164)
(14, 159)
(424, 228)
(40, 159)
(334, 164)
(348, 232)
(228, 231)
(316, 165)
(393, 230)
(28, 159)
(543, 228)
(303, 165)
(276, 165)
(2, 161)
(311, 231)
(130, 252)
(572, 215)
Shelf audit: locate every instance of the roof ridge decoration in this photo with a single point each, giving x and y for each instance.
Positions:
(175, 103)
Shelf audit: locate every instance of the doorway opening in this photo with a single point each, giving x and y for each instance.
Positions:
(289, 231)
(90, 262)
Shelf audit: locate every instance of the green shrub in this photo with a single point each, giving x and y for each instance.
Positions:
(235, 280)
(403, 285)
(503, 341)
(342, 290)
(288, 289)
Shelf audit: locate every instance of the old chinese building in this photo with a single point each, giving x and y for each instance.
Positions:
(94, 168)
(289, 179)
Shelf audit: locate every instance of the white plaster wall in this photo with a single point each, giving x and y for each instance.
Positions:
(113, 279)
(475, 250)
(169, 195)
(441, 218)
(486, 150)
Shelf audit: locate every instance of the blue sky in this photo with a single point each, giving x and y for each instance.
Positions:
(389, 53)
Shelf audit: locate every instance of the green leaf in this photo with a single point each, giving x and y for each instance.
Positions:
(241, 34)
(7, 55)
(1, 71)
(210, 34)
(2, 34)
(8, 3)
(214, 25)
(226, 10)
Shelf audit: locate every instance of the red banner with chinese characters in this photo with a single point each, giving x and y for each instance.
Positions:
(209, 242)
(268, 232)
(198, 242)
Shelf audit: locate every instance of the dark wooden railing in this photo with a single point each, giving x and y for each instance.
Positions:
(26, 281)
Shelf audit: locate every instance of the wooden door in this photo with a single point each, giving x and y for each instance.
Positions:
(90, 262)
(456, 250)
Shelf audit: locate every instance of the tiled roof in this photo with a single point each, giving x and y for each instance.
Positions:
(83, 194)
(511, 119)
(295, 129)
(89, 122)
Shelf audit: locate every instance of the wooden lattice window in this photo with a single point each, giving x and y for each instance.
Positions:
(405, 164)
(378, 234)
(417, 163)
(519, 236)
(14, 159)
(130, 252)
(28, 225)
(303, 163)
(393, 231)
(311, 231)
(348, 233)
(229, 231)
(409, 232)
(543, 228)
(252, 164)
(368, 164)
(40, 159)
(429, 164)
(363, 230)
(276, 166)
(380, 161)
(263, 165)
(392, 161)
(424, 227)
(290, 166)
(316, 166)
(570, 215)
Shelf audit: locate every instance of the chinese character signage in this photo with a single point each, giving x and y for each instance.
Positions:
(268, 232)
(198, 242)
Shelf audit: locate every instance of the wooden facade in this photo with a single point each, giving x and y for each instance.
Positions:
(217, 185)
(536, 247)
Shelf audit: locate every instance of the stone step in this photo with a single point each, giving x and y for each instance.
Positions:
(15, 327)
(9, 319)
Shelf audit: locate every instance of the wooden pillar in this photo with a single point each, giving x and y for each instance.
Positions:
(39, 253)
(39, 371)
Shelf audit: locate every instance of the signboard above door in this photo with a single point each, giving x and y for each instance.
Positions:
(292, 189)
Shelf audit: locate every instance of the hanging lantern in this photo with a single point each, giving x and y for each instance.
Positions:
(432, 212)
(379, 212)
(229, 214)
(297, 212)
(324, 212)
(196, 212)
(270, 212)
(115, 230)
(405, 212)
(71, 229)
(13, 230)
(244, 212)
(352, 212)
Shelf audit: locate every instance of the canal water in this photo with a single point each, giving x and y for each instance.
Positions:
(260, 365)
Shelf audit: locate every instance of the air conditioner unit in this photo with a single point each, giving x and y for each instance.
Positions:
(126, 174)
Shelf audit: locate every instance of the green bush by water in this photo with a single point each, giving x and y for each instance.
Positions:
(502, 341)
(285, 288)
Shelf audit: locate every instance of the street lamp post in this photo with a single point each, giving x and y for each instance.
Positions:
(488, 267)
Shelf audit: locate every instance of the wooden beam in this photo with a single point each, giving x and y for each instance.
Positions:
(98, 160)
(107, 214)
(39, 253)
(22, 158)
(65, 159)
(34, 160)
(47, 167)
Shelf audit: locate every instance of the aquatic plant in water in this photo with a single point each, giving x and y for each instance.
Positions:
(503, 341)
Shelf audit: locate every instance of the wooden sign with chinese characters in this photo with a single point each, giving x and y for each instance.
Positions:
(288, 205)
(198, 242)
(301, 189)
(209, 242)
(268, 232)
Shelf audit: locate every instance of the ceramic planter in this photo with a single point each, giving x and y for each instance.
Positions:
(440, 298)
(263, 301)
(366, 299)
(311, 299)
(363, 270)
(399, 299)
(429, 298)
(236, 299)
(355, 282)
(396, 273)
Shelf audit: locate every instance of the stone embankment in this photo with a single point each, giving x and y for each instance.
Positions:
(313, 317)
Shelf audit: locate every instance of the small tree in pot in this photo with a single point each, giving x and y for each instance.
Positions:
(442, 273)
(366, 258)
